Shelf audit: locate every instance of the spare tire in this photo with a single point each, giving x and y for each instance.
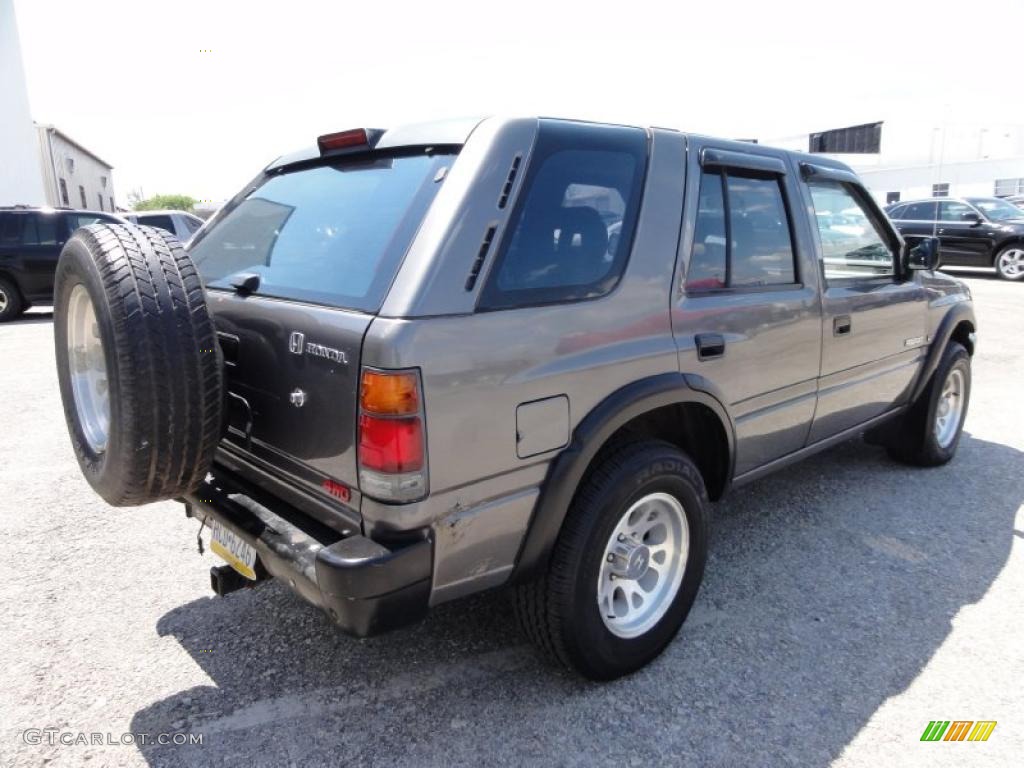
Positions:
(138, 362)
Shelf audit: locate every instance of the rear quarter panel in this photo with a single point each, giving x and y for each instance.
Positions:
(479, 368)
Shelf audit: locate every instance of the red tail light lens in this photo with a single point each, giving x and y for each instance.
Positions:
(392, 439)
(391, 445)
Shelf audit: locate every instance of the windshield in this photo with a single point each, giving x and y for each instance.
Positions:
(329, 234)
(996, 209)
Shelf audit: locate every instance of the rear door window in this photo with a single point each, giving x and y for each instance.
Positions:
(10, 229)
(333, 233)
(751, 246)
(40, 229)
(569, 236)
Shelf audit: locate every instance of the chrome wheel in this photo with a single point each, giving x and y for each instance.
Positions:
(88, 369)
(643, 565)
(950, 408)
(1011, 263)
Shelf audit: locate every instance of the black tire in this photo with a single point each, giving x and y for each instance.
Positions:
(913, 439)
(163, 362)
(559, 611)
(11, 304)
(1009, 270)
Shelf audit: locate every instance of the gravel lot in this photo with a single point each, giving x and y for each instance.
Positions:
(847, 602)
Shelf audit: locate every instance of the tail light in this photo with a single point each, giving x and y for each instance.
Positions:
(392, 440)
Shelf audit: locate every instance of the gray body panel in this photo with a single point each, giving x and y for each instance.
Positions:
(505, 390)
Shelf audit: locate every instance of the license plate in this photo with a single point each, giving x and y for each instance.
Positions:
(234, 550)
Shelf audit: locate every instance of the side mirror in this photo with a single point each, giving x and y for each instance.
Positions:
(922, 253)
(972, 217)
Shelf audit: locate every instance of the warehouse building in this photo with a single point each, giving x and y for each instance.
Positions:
(909, 158)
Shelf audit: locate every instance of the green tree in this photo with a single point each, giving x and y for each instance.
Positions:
(169, 202)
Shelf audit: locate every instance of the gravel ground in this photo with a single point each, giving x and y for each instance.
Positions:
(847, 602)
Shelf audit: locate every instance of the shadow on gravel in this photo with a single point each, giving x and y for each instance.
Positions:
(830, 586)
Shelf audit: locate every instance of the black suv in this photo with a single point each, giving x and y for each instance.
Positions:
(973, 231)
(30, 243)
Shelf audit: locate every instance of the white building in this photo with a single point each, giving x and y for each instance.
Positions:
(72, 175)
(20, 180)
(39, 165)
(908, 158)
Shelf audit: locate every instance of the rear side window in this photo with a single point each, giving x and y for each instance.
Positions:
(897, 212)
(39, 230)
(569, 236)
(745, 244)
(10, 229)
(333, 233)
(919, 212)
(160, 222)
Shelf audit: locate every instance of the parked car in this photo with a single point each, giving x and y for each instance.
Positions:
(421, 367)
(973, 231)
(180, 224)
(30, 243)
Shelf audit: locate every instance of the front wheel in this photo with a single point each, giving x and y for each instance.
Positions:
(1009, 262)
(928, 435)
(627, 564)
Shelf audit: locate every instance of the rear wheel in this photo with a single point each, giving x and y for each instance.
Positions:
(929, 433)
(11, 304)
(627, 564)
(138, 363)
(1009, 263)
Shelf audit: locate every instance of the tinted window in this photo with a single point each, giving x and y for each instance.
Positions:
(161, 222)
(10, 228)
(39, 230)
(707, 259)
(896, 212)
(755, 248)
(851, 244)
(919, 212)
(761, 252)
(569, 235)
(333, 233)
(996, 210)
(76, 220)
(954, 211)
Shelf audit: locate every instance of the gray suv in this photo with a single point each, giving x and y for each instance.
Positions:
(404, 366)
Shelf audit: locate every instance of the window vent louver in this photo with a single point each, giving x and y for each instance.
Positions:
(478, 263)
(506, 191)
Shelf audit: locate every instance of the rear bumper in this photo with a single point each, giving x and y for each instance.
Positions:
(365, 587)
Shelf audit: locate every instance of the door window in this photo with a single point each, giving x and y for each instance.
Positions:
(748, 247)
(950, 210)
(10, 229)
(39, 230)
(919, 212)
(852, 245)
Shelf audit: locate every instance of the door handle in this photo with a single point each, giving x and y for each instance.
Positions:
(709, 345)
(842, 325)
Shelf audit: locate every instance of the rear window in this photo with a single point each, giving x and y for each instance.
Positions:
(330, 234)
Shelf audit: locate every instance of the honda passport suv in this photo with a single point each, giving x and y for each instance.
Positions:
(401, 367)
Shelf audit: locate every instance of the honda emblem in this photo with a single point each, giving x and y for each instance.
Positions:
(296, 342)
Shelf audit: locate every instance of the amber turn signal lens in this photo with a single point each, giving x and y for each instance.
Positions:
(389, 394)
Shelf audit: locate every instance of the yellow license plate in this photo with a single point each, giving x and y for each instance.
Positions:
(233, 549)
